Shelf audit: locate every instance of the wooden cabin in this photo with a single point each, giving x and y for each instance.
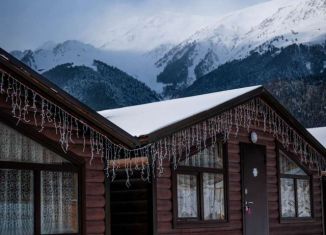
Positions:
(234, 162)
(52, 178)
(230, 162)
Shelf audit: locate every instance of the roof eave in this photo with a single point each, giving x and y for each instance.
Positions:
(69, 103)
(286, 115)
(165, 131)
(258, 92)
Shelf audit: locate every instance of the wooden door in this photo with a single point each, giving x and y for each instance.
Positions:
(254, 192)
(131, 207)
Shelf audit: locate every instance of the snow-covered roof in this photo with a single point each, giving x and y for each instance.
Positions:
(320, 134)
(144, 119)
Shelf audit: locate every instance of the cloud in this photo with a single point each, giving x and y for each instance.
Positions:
(27, 24)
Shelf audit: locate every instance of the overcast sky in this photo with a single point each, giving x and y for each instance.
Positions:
(26, 24)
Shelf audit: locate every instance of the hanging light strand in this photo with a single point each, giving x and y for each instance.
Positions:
(252, 114)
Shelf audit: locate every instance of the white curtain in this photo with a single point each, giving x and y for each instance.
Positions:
(16, 202)
(287, 196)
(213, 196)
(59, 192)
(303, 195)
(187, 196)
(59, 202)
(211, 157)
(16, 147)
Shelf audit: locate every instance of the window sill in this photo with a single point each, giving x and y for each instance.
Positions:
(296, 220)
(200, 224)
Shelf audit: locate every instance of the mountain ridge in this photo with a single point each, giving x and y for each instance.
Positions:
(281, 41)
(102, 86)
(279, 24)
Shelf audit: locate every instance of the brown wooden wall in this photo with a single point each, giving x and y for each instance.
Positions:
(234, 226)
(131, 211)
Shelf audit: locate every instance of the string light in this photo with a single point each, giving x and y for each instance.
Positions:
(250, 115)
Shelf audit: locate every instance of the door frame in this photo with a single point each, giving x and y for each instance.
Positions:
(242, 147)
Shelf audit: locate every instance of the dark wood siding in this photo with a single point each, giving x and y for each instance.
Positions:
(234, 225)
(130, 207)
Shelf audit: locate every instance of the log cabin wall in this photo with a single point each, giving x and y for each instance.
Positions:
(93, 186)
(164, 209)
(131, 210)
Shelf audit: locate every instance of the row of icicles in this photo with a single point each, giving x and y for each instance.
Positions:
(25, 102)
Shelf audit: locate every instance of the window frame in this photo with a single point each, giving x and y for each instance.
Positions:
(309, 178)
(199, 171)
(75, 165)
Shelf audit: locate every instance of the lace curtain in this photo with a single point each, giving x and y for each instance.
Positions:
(16, 202)
(294, 186)
(16, 147)
(211, 157)
(303, 195)
(287, 166)
(213, 196)
(59, 190)
(59, 202)
(187, 196)
(287, 195)
(212, 185)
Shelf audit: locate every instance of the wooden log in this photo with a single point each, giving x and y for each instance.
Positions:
(95, 189)
(97, 227)
(95, 214)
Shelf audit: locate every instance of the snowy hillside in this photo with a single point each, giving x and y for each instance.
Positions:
(132, 45)
(49, 56)
(276, 23)
(102, 87)
(173, 50)
(149, 33)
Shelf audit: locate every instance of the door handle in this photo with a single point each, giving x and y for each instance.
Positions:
(249, 203)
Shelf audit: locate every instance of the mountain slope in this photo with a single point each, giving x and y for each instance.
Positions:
(148, 32)
(103, 88)
(296, 75)
(78, 53)
(305, 98)
(291, 62)
(135, 39)
(277, 23)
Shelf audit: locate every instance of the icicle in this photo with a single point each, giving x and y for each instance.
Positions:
(84, 138)
(77, 128)
(9, 88)
(34, 107)
(2, 82)
(26, 106)
(42, 114)
(247, 115)
(91, 140)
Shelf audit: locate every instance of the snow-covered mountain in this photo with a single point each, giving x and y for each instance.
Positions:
(132, 45)
(148, 33)
(169, 49)
(51, 55)
(277, 23)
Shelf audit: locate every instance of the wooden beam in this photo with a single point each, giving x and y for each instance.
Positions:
(130, 162)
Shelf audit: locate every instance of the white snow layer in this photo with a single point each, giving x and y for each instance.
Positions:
(319, 133)
(144, 119)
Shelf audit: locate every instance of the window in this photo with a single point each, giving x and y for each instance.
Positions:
(38, 188)
(200, 187)
(295, 185)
